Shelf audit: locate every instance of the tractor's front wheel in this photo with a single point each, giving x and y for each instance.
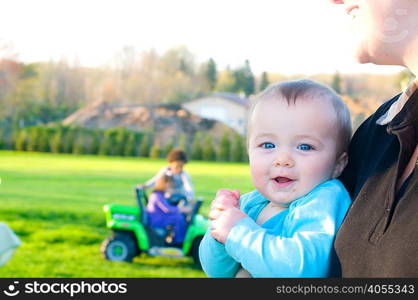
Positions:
(120, 246)
(194, 251)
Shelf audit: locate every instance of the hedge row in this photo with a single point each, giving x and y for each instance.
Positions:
(120, 142)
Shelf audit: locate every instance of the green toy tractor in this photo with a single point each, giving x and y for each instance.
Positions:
(131, 233)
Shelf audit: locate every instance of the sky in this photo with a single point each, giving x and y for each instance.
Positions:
(278, 36)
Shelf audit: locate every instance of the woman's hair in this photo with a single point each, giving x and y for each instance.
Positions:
(305, 89)
(177, 155)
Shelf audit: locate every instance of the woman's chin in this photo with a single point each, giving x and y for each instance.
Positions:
(361, 57)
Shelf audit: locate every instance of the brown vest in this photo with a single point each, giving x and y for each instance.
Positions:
(379, 237)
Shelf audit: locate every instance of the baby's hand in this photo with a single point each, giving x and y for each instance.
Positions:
(225, 213)
(224, 221)
(225, 198)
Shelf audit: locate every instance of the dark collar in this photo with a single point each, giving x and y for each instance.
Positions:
(407, 116)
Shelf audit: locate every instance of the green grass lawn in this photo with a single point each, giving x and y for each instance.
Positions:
(54, 204)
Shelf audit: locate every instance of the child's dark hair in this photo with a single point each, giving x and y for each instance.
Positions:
(177, 155)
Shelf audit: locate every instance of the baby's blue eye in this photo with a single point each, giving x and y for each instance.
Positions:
(268, 145)
(305, 147)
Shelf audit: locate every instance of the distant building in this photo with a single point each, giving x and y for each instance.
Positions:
(227, 108)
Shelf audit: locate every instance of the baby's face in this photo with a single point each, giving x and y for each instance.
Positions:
(292, 148)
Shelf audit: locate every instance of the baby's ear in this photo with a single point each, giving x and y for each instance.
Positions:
(340, 164)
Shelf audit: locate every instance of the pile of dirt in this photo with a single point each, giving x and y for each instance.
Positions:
(164, 121)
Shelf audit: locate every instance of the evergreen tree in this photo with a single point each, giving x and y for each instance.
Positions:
(130, 145)
(8, 139)
(43, 143)
(33, 139)
(225, 148)
(211, 74)
(144, 147)
(244, 79)
(107, 143)
(56, 142)
(249, 85)
(226, 81)
(208, 152)
(95, 138)
(5, 139)
(80, 143)
(21, 141)
(69, 140)
(155, 151)
(121, 136)
(13, 138)
(264, 81)
(168, 147)
(182, 143)
(238, 149)
(196, 147)
(2, 139)
(336, 83)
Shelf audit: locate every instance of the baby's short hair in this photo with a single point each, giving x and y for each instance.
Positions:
(306, 89)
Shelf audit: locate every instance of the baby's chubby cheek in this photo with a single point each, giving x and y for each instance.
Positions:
(258, 176)
(259, 183)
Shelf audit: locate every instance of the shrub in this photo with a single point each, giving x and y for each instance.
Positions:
(196, 147)
(43, 144)
(107, 145)
(79, 146)
(182, 143)
(155, 151)
(168, 147)
(129, 149)
(2, 139)
(56, 142)
(208, 151)
(225, 148)
(144, 147)
(21, 140)
(121, 138)
(238, 152)
(33, 139)
(68, 140)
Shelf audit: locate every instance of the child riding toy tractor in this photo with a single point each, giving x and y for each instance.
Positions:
(132, 233)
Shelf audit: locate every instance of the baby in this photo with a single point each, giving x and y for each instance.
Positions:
(298, 135)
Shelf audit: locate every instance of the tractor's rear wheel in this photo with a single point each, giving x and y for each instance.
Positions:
(120, 246)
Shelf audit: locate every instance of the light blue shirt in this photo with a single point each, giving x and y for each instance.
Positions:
(297, 242)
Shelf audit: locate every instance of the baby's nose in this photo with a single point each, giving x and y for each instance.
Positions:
(284, 160)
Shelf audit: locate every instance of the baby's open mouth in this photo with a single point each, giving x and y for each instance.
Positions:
(282, 179)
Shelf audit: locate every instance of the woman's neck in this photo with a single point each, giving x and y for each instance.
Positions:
(411, 58)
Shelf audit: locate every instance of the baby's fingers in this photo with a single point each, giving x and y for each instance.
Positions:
(215, 231)
(223, 192)
(222, 202)
(214, 214)
(219, 204)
